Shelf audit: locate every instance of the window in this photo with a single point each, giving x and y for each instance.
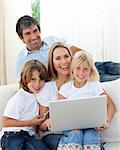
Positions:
(36, 9)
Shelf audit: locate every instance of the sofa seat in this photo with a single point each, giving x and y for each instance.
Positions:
(111, 136)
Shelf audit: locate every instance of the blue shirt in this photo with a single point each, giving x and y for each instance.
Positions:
(42, 54)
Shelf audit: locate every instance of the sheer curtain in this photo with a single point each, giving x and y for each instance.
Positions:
(2, 46)
(10, 44)
(90, 24)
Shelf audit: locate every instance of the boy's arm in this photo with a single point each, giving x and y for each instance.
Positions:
(9, 122)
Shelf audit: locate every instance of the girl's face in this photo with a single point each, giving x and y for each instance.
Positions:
(81, 72)
(61, 61)
(35, 84)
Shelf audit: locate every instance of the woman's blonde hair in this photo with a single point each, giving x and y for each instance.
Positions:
(81, 57)
(51, 70)
(26, 73)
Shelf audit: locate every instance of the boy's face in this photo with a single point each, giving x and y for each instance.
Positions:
(31, 37)
(35, 84)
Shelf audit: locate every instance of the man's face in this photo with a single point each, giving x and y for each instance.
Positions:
(31, 37)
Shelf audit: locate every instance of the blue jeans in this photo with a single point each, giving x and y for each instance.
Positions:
(108, 70)
(81, 137)
(21, 141)
(91, 136)
(52, 140)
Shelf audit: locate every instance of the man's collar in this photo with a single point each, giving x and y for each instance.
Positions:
(27, 52)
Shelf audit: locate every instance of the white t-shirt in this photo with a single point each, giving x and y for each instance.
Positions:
(68, 90)
(49, 92)
(22, 106)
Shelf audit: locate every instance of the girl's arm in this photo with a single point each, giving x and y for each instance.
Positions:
(111, 109)
(9, 122)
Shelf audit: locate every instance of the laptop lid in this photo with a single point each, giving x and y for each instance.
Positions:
(79, 113)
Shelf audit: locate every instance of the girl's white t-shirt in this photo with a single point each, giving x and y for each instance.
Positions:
(68, 90)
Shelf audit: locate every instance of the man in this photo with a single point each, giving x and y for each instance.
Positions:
(29, 32)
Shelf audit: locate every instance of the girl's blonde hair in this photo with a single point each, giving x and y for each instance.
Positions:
(26, 73)
(81, 57)
(51, 70)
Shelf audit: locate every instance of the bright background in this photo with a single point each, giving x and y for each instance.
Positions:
(93, 25)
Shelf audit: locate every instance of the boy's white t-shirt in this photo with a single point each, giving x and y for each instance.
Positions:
(49, 92)
(68, 90)
(22, 106)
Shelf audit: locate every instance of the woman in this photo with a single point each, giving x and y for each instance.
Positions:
(59, 60)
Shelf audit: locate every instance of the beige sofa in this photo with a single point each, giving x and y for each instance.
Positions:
(111, 136)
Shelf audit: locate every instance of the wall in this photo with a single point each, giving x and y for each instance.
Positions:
(93, 25)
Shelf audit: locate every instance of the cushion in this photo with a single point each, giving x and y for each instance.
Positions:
(6, 92)
(112, 134)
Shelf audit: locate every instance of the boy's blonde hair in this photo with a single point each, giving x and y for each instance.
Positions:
(51, 70)
(26, 73)
(81, 57)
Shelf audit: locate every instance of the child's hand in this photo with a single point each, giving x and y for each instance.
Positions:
(37, 120)
(103, 127)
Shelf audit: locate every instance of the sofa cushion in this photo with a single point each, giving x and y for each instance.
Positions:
(112, 134)
(6, 92)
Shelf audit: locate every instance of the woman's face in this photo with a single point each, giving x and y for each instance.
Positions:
(61, 61)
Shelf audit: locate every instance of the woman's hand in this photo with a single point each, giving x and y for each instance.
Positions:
(48, 123)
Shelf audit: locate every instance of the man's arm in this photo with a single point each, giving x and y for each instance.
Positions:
(74, 49)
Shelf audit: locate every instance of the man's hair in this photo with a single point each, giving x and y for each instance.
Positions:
(51, 70)
(26, 73)
(25, 22)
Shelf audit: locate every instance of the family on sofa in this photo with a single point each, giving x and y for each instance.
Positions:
(32, 75)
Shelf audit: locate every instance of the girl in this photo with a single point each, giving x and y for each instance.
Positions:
(59, 61)
(84, 82)
(21, 115)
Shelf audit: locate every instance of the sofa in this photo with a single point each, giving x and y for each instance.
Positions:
(110, 137)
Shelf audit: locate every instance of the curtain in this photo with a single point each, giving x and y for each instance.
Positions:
(92, 25)
(2, 46)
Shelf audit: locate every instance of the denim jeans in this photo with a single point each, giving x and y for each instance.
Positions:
(21, 141)
(52, 140)
(79, 138)
(108, 70)
(91, 136)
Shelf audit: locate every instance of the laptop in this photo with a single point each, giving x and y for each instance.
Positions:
(67, 114)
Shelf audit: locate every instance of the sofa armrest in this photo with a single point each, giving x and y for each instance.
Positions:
(6, 92)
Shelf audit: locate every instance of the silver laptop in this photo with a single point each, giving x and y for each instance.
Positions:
(79, 113)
